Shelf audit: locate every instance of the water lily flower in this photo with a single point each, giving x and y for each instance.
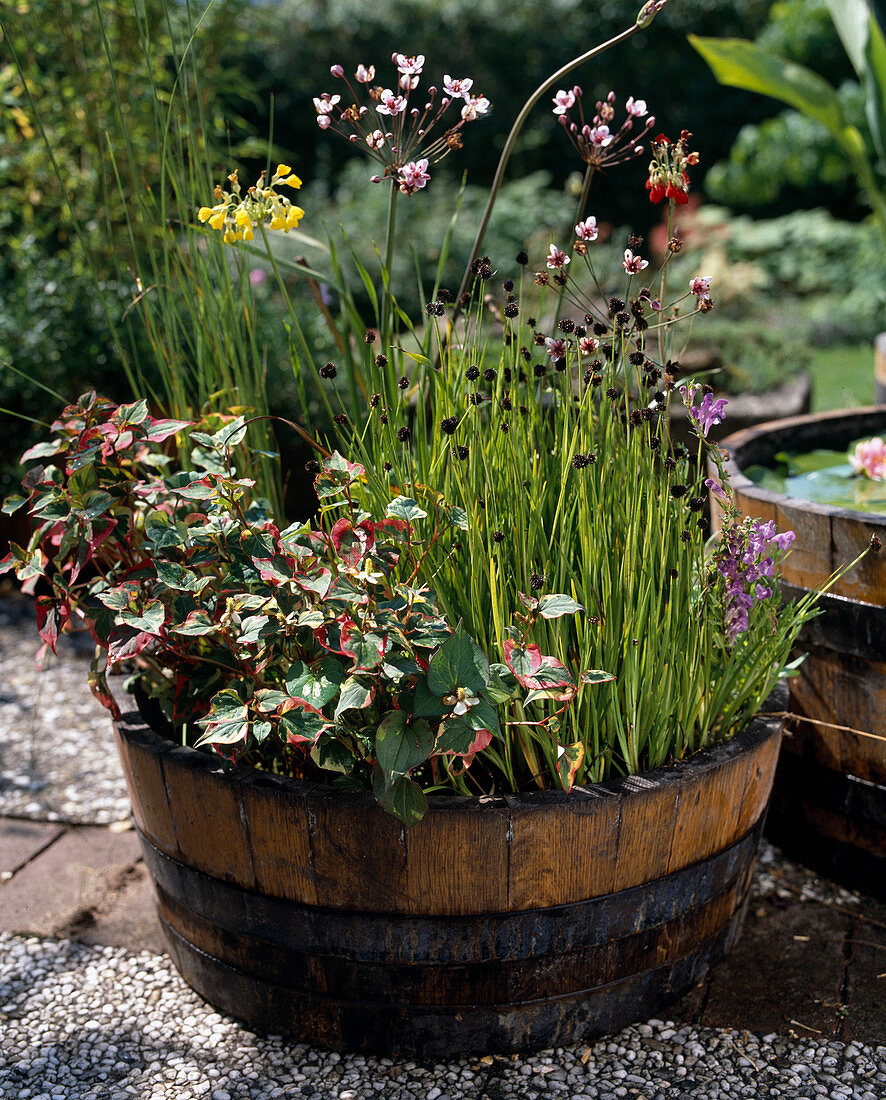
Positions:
(869, 458)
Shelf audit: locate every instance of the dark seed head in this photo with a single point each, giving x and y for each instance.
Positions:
(388, 466)
(472, 374)
(462, 452)
(403, 384)
(381, 361)
(312, 466)
(370, 336)
(522, 258)
(498, 536)
(449, 424)
(490, 374)
(566, 324)
(329, 370)
(536, 581)
(404, 434)
(678, 491)
(341, 419)
(508, 284)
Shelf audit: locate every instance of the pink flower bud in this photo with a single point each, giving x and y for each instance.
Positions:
(337, 70)
(375, 179)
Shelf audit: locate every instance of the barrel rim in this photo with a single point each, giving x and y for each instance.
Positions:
(132, 727)
(739, 442)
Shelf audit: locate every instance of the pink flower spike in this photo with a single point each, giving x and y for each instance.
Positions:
(563, 100)
(587, 230)
(364, 75)
(632, 264)
(636, 107)
(869, 458)
(457, 88)
(700, 286)
(337, 71)
(557, 258)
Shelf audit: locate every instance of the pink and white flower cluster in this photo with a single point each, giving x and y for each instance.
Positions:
(597, 144)
(390, 129)
(869, 458)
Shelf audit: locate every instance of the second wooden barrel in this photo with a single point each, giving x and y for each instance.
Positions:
(829, 805)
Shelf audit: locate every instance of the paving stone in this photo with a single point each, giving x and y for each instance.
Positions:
(74, 875)
(21, 841)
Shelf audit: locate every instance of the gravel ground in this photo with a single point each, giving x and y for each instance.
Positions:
(57, 756)
(90, 1023)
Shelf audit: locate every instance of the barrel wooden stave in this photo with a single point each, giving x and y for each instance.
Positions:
(433, 1032)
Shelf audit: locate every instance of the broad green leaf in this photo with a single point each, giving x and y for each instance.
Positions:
(498, 690)
(299, 725)
(12, 504)
(738, 63)
(354, 696)
(400, 747)
(136, 413)
(459, 662)
(569, 760)
(331, 755)
(268, 700)
(198, 622)
(316, 684)
(596, 676)
(557, 604)
(225, 733)
(404, 798)
(425, 703)
(149, 621)
(406, 508)
(177, 577)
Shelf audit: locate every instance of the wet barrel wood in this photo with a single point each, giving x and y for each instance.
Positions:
(493, 925)
(829, 805)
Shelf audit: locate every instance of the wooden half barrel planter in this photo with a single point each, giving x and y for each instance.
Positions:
(494, 925)
(829, 803)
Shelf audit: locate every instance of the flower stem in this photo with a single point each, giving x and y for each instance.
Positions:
(512, 139)
(386, 320)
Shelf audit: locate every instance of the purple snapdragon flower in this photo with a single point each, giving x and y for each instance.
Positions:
(747, 566)
(708, 413)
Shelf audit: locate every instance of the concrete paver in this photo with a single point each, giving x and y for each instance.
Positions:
(21, 841)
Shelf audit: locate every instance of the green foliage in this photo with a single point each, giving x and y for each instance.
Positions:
(300, 651)
(742, 64)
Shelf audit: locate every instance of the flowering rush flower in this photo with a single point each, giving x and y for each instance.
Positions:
(668, 175)
(238, 214)
(708, 413)
(391, 128)
(745, 561)
(595, 140)
(632, 264)
(587, 230)
(557, 258)
(869, 458)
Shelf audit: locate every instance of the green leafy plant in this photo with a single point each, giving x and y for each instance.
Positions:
(742, 64)
(302, 651)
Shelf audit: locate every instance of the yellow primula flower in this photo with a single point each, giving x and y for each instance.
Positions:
(241, 218)
(282, 170)
(294, 216)
(291, 181)
(217, 220)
